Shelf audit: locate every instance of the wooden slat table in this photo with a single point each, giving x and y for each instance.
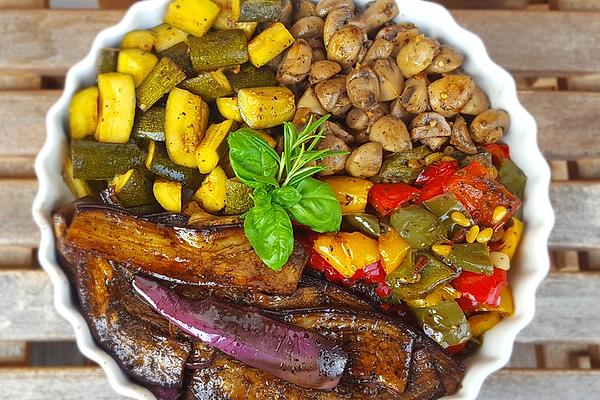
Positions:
(550, 46)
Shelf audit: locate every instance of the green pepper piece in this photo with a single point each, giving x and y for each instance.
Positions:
(396, 170)
(473, 257)
(406, 273)
(420, 228)
(433, 273)
(445, 323)
(512, 177)
(484, 159)
(443, 206)
(364, 223)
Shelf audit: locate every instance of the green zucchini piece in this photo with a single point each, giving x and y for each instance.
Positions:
(181, 55)
(150, 124)
(146, 209)
(159, 163)
(218, 49)
(238, 198)
(107, 60)
(160, 81)
(134, 188)
(208, 85)
(96, 160)
(259, 10)
(250, 76)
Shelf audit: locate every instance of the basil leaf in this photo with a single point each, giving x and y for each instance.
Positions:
(269, 230)
(319, 208)
(251, 157)
(286, 196)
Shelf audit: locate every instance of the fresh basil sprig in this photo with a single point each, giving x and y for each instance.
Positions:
(284, 189)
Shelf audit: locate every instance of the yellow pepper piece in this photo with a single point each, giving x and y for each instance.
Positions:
(83, 113)
(437, 297)
(352, 193)
(139, 39)
(482, 323)
(393, 250)
(192, 16)
(228, 108)
(347, 252)
(211, 194)
(268, 44)
(168, 194)
(506, 307)
(512, 237)
(209, 151)
(136, 63)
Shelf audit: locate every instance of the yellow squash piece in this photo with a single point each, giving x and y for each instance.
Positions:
(230, 12)
(139, 39)
(168, 36)
(268, 138)
(212, 147)
(268, 44)
(211, 194)
(116, 107)
(136, 63)
(393, 249)
(347, 252)
(481, 323)
(248, 27)
(192, 16)
(168, 194)
(78, 187)
(266, 107)
(228, 108)
(83, 113)
(352, 193)
(186, 119)
(511, 238)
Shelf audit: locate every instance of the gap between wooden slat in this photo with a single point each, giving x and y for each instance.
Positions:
(23, 4)
(16, 257)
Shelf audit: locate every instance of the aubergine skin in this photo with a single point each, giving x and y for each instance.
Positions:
(219, 254)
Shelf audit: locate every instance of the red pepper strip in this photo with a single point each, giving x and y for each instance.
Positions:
(386, 197)
(480, 289)
(457, 349)
(318, 263)
(374, 274)
(480, 193)
(499, 152)
(434, 179)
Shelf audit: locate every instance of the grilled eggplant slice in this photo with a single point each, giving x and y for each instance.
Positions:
(215, 254)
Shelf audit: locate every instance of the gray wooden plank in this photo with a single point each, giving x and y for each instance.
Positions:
(16, 197)
(566, 309)
(580, 5)
(567, 50)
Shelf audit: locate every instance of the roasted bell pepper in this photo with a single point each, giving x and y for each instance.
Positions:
(480, 193)
(347, 252)
(364, 223)
(512, 177)
(481, 323)
(510, 240)
(373, 274)
(318, 263)
(441, 295)
(479, 289)
(499, 152)
(386, 197)
(395, 168)
(434, 178)
(420, 228)
(443, 206)
(393, 249)
(445, 323)
(352, 193)
(473, 257)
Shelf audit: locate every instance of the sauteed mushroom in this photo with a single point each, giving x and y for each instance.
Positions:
(365, 161)
(323, 8)
(296, 63)
(414, 98)
(335, 21)
(460, 137)
(309, 100)
(447, 60)
(308, 27)
(345, 45)
(450, 94)
(363, 88)
(489, 126)
(323, 70)
(391, 82)
(333, 96)
(478, 103)
(391, 133)
(429, 125)
(417, 55)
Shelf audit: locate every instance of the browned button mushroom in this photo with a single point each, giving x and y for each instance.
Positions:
(380, 48)
(296, 63)
(391, 133)
(447, 60)
(365, 161)
(363, 88)
(378, 13)
(414, 98)
(323, 70)
(333, 164)
(478, 103)
(345, 45)
(460, 137)
(325, 7)
(332, 95)
(450, 94)
(417, 55)
(398, 111)
(319, 54)
(308, 27)
(391, 81)
(489, 126)
(429, 125)
(310, 101)
(304, 8)
(335, 21)
(435, 143)
(357, 119)
(339, 132)
(302, 116)
(398, 34)
(287, 12)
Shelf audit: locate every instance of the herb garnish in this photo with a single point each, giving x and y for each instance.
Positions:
(284, 189)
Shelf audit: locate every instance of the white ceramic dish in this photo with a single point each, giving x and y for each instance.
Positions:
(532, 261)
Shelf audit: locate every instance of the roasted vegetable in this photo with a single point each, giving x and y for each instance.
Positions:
(443, 207)
(192, 16)
(266, 107)
(185, 125)
(238, 198)
(160, 81)
(387, 197)
(139, 39)
(150, 124)
(107, 60)
(136, 63)
(365, 161)
(347, 252)
(102, 161)
(218, 49)
(333, 96)
(511, 238)
(116, 107)
(228, 108)
(393, 250)
(433, 181)
(210, 253)
(228, 15)
(473, 257)
(448, 95)
(159, 163)
(212, 193)
(417, 226)
(168, 36)
(364, 223)
(290, 353)
(445, 323)
(396, 167)
(481, 323)
(180, 54)
(133, 188)
(268, 44)
(259, 10)
(78, 187)
(213, 146)
(512, 178)
(417, 55)
(352, 193)
(489, 126)
(168, 194)
(479, 290)
(208, 85)
(345, 45)
(249, 76)
(83, 113)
